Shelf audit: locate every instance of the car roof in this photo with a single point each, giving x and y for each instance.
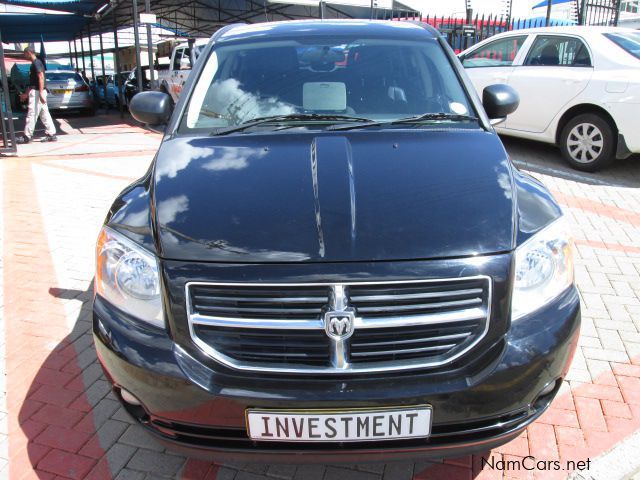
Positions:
(347, 27)
(584, 30)
(198, 41)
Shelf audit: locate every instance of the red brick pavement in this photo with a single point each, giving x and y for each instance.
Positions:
(50, 419)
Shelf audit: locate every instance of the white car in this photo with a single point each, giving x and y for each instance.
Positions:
(579, 88)
(173, 79)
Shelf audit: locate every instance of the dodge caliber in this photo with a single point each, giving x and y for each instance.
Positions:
(331, 257)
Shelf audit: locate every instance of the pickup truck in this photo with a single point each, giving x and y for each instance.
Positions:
(171, 80)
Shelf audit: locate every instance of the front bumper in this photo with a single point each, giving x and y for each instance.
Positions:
(200, 410)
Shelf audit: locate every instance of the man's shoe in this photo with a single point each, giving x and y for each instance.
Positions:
(50, 138)
(23, 140)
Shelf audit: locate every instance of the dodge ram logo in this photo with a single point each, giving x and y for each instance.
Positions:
(339, 324)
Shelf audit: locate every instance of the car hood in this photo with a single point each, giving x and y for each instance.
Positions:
(328, 197)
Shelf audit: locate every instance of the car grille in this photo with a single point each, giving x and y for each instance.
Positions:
(396, 325)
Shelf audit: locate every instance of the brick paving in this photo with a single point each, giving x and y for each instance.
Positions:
(58, 418)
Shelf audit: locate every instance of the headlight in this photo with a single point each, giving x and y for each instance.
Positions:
(543, 269)
(127, 276)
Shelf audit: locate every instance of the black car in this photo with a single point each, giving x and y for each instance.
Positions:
(332, 257)
(131, 86)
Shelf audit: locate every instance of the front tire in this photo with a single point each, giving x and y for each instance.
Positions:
(588, 142)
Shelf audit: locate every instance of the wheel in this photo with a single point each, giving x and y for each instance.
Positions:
(588, 142)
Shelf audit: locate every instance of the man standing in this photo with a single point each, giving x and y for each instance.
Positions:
(37, 97)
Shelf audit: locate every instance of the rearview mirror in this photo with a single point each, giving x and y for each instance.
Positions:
(152, 109)
(499, 101)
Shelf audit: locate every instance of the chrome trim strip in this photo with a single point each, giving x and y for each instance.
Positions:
(440, 338)
(419, 320)
(373, 353)
(412, 296)
(371, 367)
(417, 306)
(284, 324)
(382, 322)
(339, 347)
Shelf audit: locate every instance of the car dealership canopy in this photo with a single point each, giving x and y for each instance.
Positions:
(71, 19)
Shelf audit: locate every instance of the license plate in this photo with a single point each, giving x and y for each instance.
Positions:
(339, 425)
(61, 92)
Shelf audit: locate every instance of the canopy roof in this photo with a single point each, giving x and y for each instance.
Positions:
(195, 18)
(34, 27)
(82, 7)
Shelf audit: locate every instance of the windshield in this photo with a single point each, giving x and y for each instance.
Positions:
(63, 77)
(373, 79)
(629, 41)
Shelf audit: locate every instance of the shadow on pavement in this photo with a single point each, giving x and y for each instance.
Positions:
(546, 159)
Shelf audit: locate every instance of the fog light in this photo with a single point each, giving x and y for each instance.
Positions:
(129, 398)
(548, 389)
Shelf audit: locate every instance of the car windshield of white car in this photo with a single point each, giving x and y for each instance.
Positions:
(629, 41)
(323, 81)
(63, 77)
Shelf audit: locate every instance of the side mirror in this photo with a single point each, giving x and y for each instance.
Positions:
(152, 109)
(499, 101)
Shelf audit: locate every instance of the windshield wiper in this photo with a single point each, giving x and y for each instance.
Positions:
(425, 117)
(296, 117)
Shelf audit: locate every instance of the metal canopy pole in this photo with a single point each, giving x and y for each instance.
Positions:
(147, 8)
(104, 75)
(116, 64)
(136, 35)
(70, 54)
(84, 67)
(93, 75)
(75, 50)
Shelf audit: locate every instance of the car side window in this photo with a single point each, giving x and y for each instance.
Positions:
(177, 59)
(558, 51)
(500, 53)
(185, 62)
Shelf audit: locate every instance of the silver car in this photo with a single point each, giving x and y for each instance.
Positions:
(68, 91)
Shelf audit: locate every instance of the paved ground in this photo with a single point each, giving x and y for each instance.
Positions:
(58, 418)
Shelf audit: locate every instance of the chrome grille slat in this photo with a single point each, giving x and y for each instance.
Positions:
(397, 325)
(320, 300)
(411, 296)
(403, 351)
(290, 311)
(355, 345)
(420, 306)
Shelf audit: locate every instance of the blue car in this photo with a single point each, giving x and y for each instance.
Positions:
(112, 98)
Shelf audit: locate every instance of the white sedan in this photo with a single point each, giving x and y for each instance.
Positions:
(579, 88)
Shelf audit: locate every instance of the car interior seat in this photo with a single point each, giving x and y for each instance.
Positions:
(549, 55)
